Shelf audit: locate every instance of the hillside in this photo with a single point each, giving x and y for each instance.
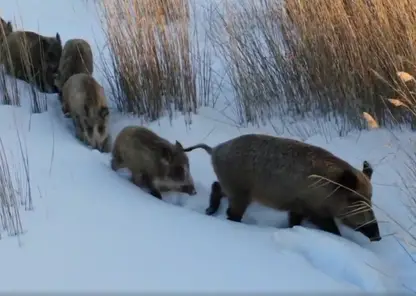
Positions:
(90, 229)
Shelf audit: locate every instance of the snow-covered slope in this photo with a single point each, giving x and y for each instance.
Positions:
(92, 230)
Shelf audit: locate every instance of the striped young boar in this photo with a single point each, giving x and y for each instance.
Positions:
(32, 58)
(83, 98)
(5, 30)
(278, 173)
(76, 58)
(154, 162)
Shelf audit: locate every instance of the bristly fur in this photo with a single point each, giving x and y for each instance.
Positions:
(41, 53)
(84, 100)
(76, 58)
(276, 172)
(154, 162)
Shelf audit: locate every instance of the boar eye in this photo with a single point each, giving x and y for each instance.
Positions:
(88, 127)
(178, 171)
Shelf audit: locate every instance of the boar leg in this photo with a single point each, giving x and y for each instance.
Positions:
(135, 178)
(325, 223)
(64, 104)
(40, 82)
(214, 199)
(295, 219)
(106, 145)
(55, 89)
(148, 182)
(117, 161)
(65, 109)
(238, 204)
(59, 95)
(78, 129)
(65, 112)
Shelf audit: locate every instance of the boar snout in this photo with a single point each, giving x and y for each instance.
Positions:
(190, 189)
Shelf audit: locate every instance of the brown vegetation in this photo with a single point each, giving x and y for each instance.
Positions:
(338, 58)
(150, 56)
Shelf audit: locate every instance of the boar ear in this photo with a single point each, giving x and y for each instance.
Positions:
(367, 169)
(58, 37)
(104, 112)
(178, 145)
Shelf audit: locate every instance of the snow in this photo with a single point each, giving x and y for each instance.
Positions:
(93, 230)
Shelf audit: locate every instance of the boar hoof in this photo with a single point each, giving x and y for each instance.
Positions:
(210, 211)
(156, 194)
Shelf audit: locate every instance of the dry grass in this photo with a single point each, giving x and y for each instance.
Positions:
(15, 185)
(334, 61)
(15, 189)
(9, 199)
(7, 99)
(152, 67)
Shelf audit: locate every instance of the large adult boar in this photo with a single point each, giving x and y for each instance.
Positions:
(76, 58)
(33, 58)
(154, 162)
(279, 173)
(84, 99)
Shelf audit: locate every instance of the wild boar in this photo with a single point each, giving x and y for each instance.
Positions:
(281, 173)
(154, 162)
(84, 100)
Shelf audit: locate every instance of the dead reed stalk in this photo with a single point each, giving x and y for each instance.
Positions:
(9, 200)
(151, 68)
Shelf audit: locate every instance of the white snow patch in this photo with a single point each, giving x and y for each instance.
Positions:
(93, 230)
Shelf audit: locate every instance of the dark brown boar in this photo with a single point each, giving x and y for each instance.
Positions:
(33, 58)
(76, 58)
(281, 173)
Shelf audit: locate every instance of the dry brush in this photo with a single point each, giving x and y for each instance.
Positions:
(328, 58)
(155, 63)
